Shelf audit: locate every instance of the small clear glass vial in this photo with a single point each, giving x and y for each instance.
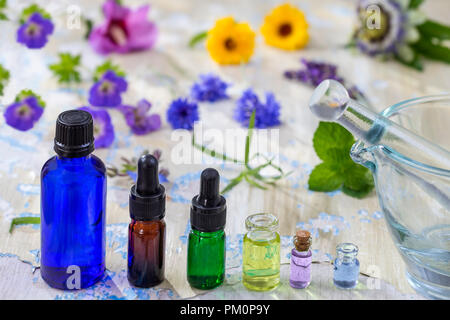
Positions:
(301, 259)
(346, 266)
(261, 253)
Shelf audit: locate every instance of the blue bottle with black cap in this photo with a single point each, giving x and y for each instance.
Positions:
(73, 204)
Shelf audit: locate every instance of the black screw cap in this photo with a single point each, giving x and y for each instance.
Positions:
(74, 136)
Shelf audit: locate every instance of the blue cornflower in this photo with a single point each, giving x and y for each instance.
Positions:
(23, 114)
(266, 115)
(35, 31)
(107, 91)
(209, 88)
(182, 114)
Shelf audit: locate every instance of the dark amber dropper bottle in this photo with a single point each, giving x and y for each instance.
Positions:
(147, 230)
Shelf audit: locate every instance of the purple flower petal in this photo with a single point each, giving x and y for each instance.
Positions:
(108, 90)
(24, 114)
(124, 30)
(35, 31)
(138, 120)
(103, 127)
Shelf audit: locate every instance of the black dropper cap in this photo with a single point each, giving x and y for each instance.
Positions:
(74, 136)
(209, 208)
(147, 196)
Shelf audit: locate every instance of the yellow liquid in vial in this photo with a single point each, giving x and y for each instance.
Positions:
(261, 263)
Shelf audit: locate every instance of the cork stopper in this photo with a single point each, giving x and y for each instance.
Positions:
(302, 240)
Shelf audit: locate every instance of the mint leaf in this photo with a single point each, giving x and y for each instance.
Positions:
(4, 78)
(27, 93)
(358, 181)
(332, 142)
(325, 177)
(28, 11)
(107, 66)
(66, 69)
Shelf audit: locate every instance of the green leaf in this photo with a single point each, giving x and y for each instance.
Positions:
(89, 25)
(4, 78)
(212, 153)
(254, 183)
(248, 139)
(432, 51)
(197, 38)
(332, 142)
(416, 63)
(325, 178)
(25, 93)
(23, 220)
(358, 180)
(234, 182)
(28, 11)
(107, 66)
(3, 4)
(432, 29)
(414, 4)
(3, 16)
(66, 69)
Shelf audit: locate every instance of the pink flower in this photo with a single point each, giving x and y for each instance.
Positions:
(124, 30)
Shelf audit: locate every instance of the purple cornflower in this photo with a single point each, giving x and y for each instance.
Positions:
(210, 88)
(266, 115)
(107, 91)
(23, 114)
(139, 120)
(103, 127)
(182, 114)
(35, 31)
(314, 73)
(124, 30)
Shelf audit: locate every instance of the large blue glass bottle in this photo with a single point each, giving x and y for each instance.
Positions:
(73, 203)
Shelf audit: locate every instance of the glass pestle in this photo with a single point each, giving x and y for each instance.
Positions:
(331, 102)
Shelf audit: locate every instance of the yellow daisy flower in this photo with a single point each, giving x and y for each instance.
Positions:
(230, 42)
(285, 27)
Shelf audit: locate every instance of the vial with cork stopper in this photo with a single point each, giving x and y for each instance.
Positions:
(301, 258)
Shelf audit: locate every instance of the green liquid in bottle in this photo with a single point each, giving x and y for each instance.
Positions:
(206, 259)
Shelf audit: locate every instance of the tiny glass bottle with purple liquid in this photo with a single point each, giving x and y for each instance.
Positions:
(301, 258)
(346, 266)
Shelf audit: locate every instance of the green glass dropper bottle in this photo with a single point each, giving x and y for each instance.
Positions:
(206, 246)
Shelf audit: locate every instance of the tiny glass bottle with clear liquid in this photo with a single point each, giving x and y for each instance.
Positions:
(301, 259)
(346, 266)
(261, 253)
